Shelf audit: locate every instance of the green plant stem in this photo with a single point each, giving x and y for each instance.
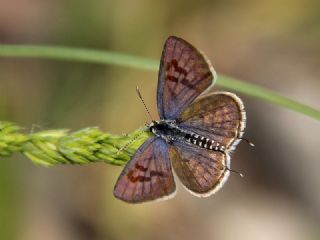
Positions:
(114, 58)
(77, 54)
(55, 147)
(269, 96)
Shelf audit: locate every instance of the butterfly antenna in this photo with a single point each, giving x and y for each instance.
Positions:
(144, 104)
(249, 142)
(130, 142)
(234, 171)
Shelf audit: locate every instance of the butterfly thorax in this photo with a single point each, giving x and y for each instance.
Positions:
(170, 132)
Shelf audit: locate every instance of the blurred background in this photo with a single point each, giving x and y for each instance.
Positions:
(275, 44)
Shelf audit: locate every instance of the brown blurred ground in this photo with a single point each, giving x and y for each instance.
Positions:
(272, 43)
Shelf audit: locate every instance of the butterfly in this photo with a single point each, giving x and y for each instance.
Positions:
(194, 136)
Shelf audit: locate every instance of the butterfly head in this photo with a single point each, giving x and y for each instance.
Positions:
(152, 126)
(166, 129)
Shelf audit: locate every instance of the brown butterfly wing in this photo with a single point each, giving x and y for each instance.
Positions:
(148, 175)
(184, 74)
(219, 116)
(201, 171)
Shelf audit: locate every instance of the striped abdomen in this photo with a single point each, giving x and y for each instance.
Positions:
(204, 142)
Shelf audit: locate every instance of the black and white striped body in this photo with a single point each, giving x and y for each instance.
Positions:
(170, 131)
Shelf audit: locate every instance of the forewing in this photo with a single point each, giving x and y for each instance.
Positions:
(148, 176)
(184, 74)
(201, 171)
(219, 116)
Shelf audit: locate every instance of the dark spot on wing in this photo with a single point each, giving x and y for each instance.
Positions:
(172, 78)
(143, 178)
(176, 67)
(141, 168)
